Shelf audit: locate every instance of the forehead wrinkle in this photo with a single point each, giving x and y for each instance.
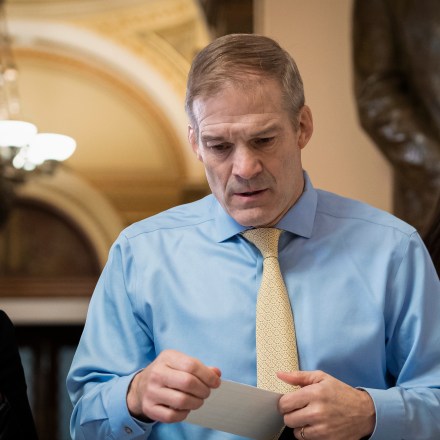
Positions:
(243, 126)
(220, 114)
(210, 109)
(236, 117)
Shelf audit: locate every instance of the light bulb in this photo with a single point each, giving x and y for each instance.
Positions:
(50, 146)
(16, 133)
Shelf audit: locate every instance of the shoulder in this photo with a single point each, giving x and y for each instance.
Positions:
(354, 213)
(376, 241)
(189, 215)
(5, 322)
(7, 335)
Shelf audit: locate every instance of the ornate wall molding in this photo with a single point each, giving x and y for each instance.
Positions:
(82, 204)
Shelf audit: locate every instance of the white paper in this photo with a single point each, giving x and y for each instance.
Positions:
(240, 409)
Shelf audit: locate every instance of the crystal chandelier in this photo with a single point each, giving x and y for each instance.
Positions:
(23, 151)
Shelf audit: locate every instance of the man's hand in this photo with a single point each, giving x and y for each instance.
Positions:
(170, 387)
(326, 407)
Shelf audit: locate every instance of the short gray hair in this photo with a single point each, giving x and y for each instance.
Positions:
(231, 57)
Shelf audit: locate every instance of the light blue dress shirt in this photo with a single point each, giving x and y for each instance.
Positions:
(364, 292)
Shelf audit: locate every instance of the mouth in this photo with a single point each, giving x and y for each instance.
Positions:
(249, 194)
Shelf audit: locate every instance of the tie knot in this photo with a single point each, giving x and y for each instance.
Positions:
(266, 240)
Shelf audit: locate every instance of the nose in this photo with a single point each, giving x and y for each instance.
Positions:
(247, 164)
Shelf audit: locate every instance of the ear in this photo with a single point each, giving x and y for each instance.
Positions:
(305, 126)
(192, 138)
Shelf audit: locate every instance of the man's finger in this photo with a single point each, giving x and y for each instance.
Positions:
(180, 401)
(186, 383)
(180, 362)
(216, 371)
(301, 378)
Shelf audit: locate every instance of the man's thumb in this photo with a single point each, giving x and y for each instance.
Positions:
(301, 378)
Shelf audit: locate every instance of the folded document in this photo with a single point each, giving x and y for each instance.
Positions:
(240, 409)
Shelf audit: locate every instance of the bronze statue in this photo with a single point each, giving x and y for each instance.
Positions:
(396, 52)
(432, 238)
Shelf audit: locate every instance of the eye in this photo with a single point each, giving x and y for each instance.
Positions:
(219, 148)
(261, 142)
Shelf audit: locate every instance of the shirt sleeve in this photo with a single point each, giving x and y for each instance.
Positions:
(113, 347)
(411, 408)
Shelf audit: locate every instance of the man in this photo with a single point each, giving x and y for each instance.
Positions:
(16, 419)
(175, 307)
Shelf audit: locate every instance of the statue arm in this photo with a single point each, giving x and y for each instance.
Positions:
(388, 111)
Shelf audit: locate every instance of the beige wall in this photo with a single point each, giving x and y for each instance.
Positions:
(339, 157)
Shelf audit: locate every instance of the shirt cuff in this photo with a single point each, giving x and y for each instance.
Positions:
(390, 414)
(122, 424)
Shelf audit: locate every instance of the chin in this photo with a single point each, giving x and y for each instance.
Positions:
(249, 220)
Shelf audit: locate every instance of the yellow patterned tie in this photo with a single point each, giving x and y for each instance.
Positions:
(275, 330)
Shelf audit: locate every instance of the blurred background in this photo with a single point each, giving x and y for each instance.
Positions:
(111, 74)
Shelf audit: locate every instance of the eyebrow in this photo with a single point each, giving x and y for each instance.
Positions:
(262, 133)
(266, 131)
(207, 138)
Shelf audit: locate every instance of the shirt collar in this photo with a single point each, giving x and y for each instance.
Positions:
(298, 220)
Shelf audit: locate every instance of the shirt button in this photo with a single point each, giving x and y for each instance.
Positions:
(128, 430)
